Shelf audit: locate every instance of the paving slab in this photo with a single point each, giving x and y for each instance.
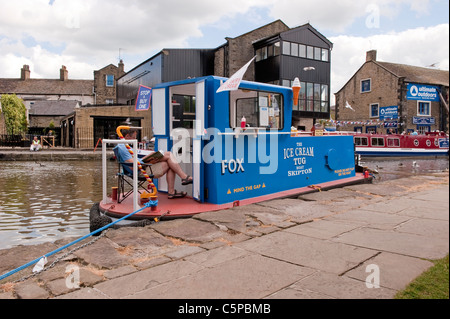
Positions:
(217, 256)
(396, 271)
(31, 290)
(342, 287)
(191, 230)
(324, 229)
(103, 255)
(372, 218)
(134, 283)
(299, 211)
(426, 227)
(396, 242)
(84, 293)
(296, 292)
(309, 252)
(249, 277)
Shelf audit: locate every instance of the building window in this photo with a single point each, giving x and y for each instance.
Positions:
(310, 52)
(371, 129)
(325, 54)
(109, 80)
(294, 49)
(286, 48)
(366, 85)
(302, 51)
(374, 110)
(276, 49)
(422, 129)
(317, 54)
(424, 108)
(312, 97)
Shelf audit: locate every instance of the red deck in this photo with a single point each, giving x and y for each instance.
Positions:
(186, 207)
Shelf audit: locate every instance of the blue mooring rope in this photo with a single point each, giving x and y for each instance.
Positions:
(146, 205)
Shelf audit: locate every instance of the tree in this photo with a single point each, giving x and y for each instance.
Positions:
(15, 114)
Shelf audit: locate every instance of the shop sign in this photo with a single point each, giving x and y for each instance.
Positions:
(389, 112)
(143, 98)
(421, 92)
(424, 120)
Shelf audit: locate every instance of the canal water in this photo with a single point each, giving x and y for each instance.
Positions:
(46, 201)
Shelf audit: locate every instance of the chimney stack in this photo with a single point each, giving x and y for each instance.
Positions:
(121, 68)
(371, 55)
(25, 72)
(63, 74)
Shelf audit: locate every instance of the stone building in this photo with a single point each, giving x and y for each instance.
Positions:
(105, 83)
(382, 96)
(38, 93)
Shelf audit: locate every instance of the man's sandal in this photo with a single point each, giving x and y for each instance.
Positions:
(186, 181)
(177, 195)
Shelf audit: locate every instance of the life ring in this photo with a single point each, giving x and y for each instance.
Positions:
(428, 143)
(416, 142)
(98, 220)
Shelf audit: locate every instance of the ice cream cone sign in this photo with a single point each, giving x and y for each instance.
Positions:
(296, 88)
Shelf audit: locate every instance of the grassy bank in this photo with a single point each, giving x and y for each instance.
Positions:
(432, 284)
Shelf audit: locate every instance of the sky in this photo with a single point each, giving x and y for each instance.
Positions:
(86, 35)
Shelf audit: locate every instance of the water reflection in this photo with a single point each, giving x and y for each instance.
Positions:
(46, 201)
(393, 168)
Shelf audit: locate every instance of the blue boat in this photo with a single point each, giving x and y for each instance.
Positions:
(240, 148)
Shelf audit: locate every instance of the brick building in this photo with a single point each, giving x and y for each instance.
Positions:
(381, 96)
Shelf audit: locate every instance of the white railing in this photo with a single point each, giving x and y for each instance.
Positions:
(135, 171)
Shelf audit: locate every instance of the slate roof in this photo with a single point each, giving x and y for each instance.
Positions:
(46, 87)
(417, 74)
(53, 108)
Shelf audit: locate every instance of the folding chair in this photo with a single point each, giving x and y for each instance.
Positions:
(125, 177)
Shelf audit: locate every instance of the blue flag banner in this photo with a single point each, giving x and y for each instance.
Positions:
(143, 98)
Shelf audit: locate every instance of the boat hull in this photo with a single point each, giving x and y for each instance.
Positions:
(410, 152)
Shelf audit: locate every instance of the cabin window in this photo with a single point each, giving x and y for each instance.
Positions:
(377, 141)
(260, 109)
(361, 141)
(393, 142)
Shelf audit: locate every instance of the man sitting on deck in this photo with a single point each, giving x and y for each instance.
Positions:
(167, 165)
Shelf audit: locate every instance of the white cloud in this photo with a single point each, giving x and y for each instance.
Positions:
(86, 35)
(94, 30)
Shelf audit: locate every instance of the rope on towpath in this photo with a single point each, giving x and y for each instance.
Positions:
(12, 272)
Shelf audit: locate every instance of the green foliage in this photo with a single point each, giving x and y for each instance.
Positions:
(15, 114)
(432, 284)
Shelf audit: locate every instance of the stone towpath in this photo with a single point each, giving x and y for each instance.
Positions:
(338, 244)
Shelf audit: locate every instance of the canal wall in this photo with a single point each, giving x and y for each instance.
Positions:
(53, 154)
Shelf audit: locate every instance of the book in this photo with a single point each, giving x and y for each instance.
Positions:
(153, 157)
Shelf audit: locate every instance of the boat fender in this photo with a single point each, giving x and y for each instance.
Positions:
(98, 220)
